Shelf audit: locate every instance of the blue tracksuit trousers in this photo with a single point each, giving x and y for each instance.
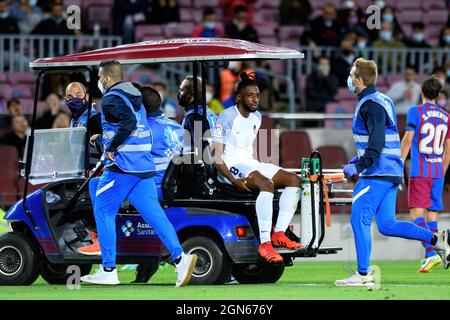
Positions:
(377, 198)
(113, 188)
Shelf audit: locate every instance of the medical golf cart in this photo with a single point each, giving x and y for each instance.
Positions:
(212, 219)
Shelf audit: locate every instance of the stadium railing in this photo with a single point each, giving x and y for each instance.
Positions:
(18, 50)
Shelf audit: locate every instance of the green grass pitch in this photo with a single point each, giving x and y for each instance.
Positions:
(305, 280)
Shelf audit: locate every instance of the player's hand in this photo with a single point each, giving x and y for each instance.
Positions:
(92, 139)
(241, 184)
(110, 156)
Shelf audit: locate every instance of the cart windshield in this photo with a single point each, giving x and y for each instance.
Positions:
(57, 154)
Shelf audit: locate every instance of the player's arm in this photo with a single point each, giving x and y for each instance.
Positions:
(412, 122)
(447, 154)
(406, 144)
(223, 169)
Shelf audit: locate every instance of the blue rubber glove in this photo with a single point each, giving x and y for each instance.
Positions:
(350, 170)
(354, 160)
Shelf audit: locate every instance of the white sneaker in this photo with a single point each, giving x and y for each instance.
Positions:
(356, 280)
(442, 247)
(185, 268)
(102, 277)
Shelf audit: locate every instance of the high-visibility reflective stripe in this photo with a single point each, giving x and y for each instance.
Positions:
(134, 133)
(388, 137)
(162, 166)
(104, 188)
(162, 160)
(361, 193)
(395, 152)
(135, 147)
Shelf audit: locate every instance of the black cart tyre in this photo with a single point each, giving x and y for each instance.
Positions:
(57, 273)
(20, 260)
(258, 272)
(213, 264)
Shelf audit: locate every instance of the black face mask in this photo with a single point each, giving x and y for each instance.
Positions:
(183, 100)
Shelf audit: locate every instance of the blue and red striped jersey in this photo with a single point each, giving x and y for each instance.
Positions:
(430, 125)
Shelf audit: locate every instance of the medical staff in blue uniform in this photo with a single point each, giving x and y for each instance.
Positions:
(380, 169)
(186, 99)
(129, 174)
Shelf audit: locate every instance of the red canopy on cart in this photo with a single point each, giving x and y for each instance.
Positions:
(172, 50)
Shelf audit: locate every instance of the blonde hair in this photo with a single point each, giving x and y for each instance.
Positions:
(366, 70)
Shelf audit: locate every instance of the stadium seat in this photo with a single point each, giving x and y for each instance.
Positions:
(143, 77)
(333, 157)
(291, 43)
(206, 3)
(294, 145)
(291, 32)
(21, 77)
(393, 78)
(100, 14)
(9, 162)
(183, 29)
(264, 146)
(185, 3)
(345, 106)
(438, 17)
(272, 4)
(147, 31)
(264, 16)
(409, 16)
(22, 91)
(409, 5)
(277, 66)
(344, 94)
(6, 91)
(270, 41)
(433, 4)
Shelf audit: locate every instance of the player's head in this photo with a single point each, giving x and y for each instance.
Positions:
(151, 99)
(109, 73)
(185, 94)
(363, 74)
(431, 88)
(247, 93)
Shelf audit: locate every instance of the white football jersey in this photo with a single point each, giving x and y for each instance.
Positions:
(237, 133)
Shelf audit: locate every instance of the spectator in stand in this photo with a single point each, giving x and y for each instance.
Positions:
(17, 137)
(56, 24)
(343, 60)
(27, 13)
(417, 41)
(351, 23)
(8, 25)
(442, 100)
(240, 28)
(323, 30)
(213, 103)
(321, 86)
(126, 13)
(441, 74)
(405, 93)
(209, 27)
(14, 109)
(388, 15)
(62, 120)
(294, 12)
(52, 109)
(229, 6)
(444, 41)
(361, 45)
(164, 11)
(168, 106)
(229, 76)
(387, 40)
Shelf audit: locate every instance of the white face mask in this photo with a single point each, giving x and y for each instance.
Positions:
(100, 87)
(209, 97)
(209, 25)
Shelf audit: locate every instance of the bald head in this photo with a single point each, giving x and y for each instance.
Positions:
(75, 90)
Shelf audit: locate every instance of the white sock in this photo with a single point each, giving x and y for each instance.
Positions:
(264, 210)
(288, 205)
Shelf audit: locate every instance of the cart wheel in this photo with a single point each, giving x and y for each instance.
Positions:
(258, 272)
(213, 265)
(57, 273)
(20, 260)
